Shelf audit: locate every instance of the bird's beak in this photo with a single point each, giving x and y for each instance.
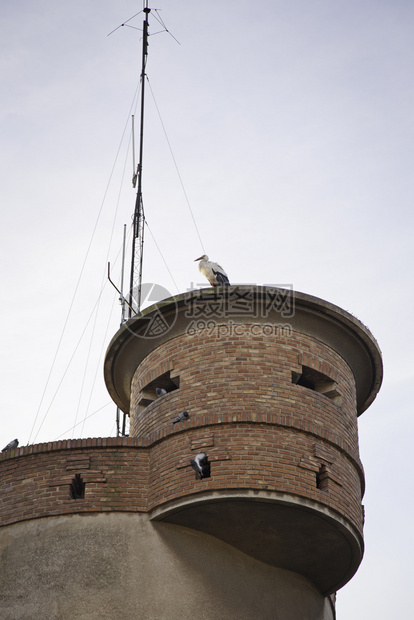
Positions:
(198, 259)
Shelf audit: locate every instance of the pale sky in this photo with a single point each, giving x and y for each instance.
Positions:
(291, 123)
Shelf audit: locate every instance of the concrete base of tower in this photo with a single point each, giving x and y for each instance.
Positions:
(117, 565)
(281, 530)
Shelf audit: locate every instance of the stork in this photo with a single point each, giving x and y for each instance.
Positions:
(214, 272)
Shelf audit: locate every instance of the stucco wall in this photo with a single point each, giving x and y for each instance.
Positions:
(121, 566)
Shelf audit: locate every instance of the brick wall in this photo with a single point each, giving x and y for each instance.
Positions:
(247, 451)
(35, 480)
(260, 431)
(244, 373)
(258, 456)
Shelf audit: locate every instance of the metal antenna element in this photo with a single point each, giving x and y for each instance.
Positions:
(138, 217)
(124, 303)
(134, 173)
(122, 299)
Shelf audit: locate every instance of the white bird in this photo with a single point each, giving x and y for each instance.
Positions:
(201, 466)
(214, 272)
(11, 446)
(160, 392)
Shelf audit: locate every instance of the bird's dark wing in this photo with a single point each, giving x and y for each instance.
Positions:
(205, 470)
(221, 278)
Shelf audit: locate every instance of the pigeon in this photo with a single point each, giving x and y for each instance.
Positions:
(201, 466)
(160, 392)
(11, 446)
(181, 417)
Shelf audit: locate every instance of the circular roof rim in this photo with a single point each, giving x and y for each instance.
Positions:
(306, 302)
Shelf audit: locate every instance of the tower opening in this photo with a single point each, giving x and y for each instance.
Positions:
(322, 478)
(163, 382)
(77, 488)
(318, 382)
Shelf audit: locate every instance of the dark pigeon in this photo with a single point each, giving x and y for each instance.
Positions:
(11, 446)
(201, 466)
(160, 392)
(181, 417)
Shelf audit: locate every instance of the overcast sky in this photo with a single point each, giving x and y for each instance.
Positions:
(291, 124)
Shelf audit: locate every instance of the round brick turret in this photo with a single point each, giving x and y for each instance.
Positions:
(273, 382)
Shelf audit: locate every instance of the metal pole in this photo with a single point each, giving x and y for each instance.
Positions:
(117, 422)
(138, 213)
(122, 279)
(134, 172)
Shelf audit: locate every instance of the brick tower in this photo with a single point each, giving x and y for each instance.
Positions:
(273, 382)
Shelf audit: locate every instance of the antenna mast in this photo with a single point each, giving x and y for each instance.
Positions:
(138, 218)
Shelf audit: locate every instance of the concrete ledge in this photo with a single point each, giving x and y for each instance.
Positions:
(278, 529)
